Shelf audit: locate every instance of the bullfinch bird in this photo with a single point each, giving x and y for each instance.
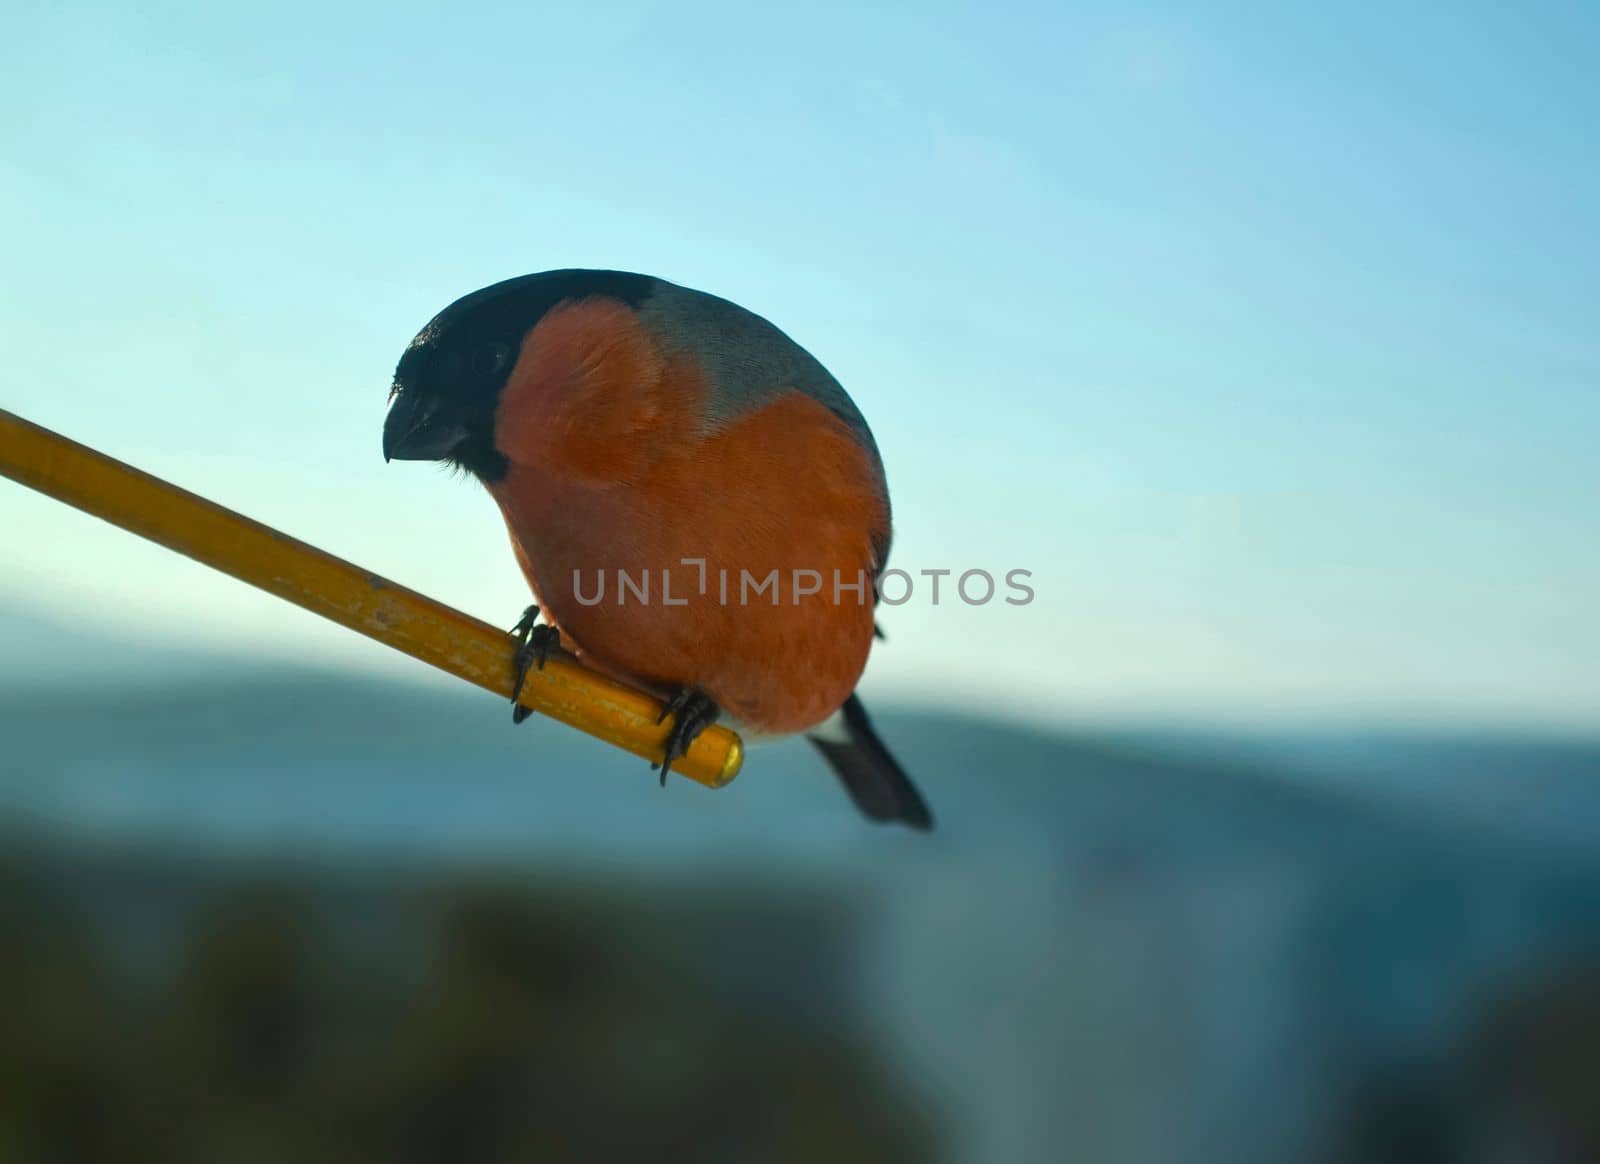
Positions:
(698, 507)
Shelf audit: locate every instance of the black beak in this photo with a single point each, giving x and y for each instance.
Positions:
(415, 430)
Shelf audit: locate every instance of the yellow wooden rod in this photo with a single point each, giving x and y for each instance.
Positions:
(350, 596)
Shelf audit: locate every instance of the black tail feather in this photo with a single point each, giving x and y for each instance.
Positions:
(875, 781)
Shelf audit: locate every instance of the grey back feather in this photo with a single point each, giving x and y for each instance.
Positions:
(747, 360)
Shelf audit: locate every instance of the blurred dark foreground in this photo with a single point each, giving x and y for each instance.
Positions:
(306, 918)
(155, 1010)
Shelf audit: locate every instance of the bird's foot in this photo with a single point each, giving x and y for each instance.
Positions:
(534, 644)
(692, 711)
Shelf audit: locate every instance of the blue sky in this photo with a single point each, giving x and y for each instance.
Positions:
(1265, 339)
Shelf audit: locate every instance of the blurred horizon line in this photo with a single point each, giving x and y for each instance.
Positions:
(42, 648)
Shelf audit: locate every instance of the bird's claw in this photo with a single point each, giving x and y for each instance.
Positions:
(691, 711)
(534, 644)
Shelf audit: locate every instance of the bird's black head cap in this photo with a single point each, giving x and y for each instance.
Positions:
(448, 382)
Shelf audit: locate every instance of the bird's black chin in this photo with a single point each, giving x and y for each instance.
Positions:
(416, 429)
(478, 456)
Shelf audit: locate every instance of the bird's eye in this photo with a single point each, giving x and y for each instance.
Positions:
(491, 358)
